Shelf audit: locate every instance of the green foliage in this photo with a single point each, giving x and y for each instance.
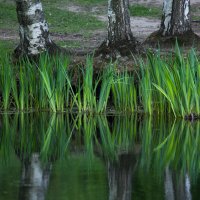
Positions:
(170, 84)
(145, 88)
(46, 69)
(106, 82)
(89, 93)
(124, 92)
(162, 85)
(5, 82)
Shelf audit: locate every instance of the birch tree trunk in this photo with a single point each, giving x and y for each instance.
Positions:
(175, 26)
(120, 38)
(33, 28)
(176, 19)
(118, 22)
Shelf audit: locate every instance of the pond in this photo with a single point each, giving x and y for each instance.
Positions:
(52, 156)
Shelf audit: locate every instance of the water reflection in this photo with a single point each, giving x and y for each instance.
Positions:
(143, 159)
(120, 177)
(177, 187)
(34, 179)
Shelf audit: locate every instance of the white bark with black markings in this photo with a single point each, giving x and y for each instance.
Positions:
(118, 22)
(33, 28)
(176, 18)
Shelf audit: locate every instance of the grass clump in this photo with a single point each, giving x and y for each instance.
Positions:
(162, 85)
(124, 92)
(175, 83)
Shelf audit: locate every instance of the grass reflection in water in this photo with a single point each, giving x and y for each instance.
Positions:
(157, 143)
(126, 145)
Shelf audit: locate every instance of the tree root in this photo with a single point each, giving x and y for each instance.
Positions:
(157, 40)
(120, 49)
(52, 49)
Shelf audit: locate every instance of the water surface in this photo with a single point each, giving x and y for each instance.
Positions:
(61, 157)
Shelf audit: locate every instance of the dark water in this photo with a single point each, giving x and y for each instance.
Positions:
(44, 157)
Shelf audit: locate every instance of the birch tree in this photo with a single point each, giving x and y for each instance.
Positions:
(33, 29)
(175, 23)
(176, 19)
(120, 39)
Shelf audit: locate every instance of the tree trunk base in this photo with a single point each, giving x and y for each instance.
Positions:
(119, 49)
(51, 49)
(157, 40)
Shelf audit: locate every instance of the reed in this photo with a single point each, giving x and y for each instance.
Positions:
(165, 85)
(89, 93)
(105, 89)
(5, 81)
(61, 66)
(47, 76)
(145, 88)
(180, 84)
(124, 92)
(170, 84)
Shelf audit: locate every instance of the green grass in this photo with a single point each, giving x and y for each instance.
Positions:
(144, 11)
(8, 16)
(76, 2)
(63, 21)
(91, 2)
(60, 20)
(7, 46)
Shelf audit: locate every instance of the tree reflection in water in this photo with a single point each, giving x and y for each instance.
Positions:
(177, 187)
(34, 179)
(120, 177)
(124, 145)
